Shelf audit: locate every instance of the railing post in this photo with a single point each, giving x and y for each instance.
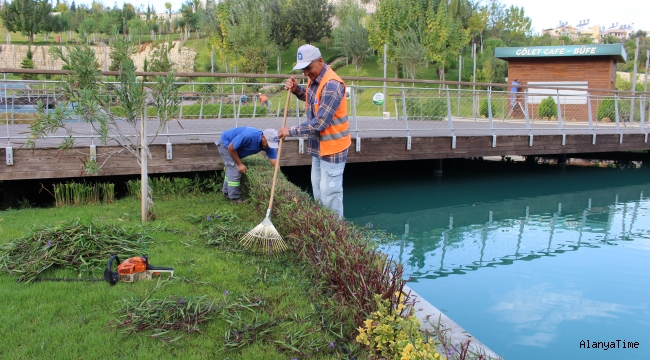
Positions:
(238, 111)
(180, 114)
(450, 122)
(618, 119)
(559, 112)
(590, 116)
(201, 109)
(489, 104)
(354, 109)
(254, 106)
(642, 112)
(406, 122)
(526, 111)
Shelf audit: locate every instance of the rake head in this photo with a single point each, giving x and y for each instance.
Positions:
(264, 239)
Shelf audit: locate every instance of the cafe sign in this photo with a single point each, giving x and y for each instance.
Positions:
(614, 50)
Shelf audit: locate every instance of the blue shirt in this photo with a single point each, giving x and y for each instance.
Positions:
(246, 141)
(514, 87)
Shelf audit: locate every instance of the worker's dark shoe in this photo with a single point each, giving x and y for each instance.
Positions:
(239, 201)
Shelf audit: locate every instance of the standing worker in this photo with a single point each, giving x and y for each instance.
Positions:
(513, 92)
(326, 128)
(238, 143)
(264, 100)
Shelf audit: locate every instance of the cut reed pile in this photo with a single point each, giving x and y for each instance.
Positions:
(74, 244)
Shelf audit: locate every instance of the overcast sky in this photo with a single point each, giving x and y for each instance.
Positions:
(544, 13)
(548, 13)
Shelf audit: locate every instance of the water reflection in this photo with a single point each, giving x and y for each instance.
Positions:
(577, 243)
(538, 311)
(456, 249)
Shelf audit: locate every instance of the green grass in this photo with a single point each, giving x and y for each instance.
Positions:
(64, 320)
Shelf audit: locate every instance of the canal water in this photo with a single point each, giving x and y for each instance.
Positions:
(533, 260)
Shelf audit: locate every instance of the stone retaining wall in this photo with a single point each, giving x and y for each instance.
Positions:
(12, 55)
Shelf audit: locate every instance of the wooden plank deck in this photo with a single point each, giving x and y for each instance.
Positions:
(381, 140)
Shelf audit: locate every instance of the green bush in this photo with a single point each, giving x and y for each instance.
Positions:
(547, 108)
(483, 109)
(606, 109)
(426, 108)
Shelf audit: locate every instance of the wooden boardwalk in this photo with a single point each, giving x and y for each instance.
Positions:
(380, 140)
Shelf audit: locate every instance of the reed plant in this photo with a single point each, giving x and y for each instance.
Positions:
(341, 258)
(177, 187)
(85, 247)
(74, 193)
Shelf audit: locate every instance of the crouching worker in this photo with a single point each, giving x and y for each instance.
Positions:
(238, 143)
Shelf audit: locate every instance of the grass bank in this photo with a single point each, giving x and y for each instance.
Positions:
(269, 299)
(306, 303)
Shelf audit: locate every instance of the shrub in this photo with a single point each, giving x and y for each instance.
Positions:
(426, 108)
(483, 109)
(606, 109)
(392, 332)
(547, 108)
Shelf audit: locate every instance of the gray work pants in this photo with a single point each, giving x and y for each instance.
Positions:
(231, 184)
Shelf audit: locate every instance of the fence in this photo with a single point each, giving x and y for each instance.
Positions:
(210, 106)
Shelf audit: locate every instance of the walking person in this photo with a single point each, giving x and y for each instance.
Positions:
(264, 100)
(513, 92)
(238, 143)
(326, 127)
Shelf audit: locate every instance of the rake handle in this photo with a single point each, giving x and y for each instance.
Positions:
(277, 159)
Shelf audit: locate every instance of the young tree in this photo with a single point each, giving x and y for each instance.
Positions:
(86, 99)
(29, 17)
(445, 36)
(28, 63)
(410, 50)
(248, 32)
(391, 17)
(280, 23)
(351, 38)
(311, 19)
(121, 51)
(160, 61)
(516, 25)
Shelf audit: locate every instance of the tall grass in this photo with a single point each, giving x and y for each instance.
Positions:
(173, 188)
(74, 193)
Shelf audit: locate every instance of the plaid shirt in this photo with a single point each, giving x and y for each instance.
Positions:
(330, 99)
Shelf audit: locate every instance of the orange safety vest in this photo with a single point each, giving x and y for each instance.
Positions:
(336, 137)
(263, 98)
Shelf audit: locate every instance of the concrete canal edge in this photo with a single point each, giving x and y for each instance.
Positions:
(428, 314)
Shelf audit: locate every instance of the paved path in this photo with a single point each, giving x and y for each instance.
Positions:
(209, 130)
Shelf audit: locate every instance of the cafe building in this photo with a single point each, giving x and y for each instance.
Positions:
(588, 67)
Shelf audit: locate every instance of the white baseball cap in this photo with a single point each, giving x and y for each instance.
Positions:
(306, 54)
(271, 136)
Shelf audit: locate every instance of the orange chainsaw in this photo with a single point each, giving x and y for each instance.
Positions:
(132, 269)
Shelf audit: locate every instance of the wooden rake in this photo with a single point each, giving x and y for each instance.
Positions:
(264, 238)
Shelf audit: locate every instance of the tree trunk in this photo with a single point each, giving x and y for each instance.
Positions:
(396, 69)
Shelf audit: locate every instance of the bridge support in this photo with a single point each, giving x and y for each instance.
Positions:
(561, 160)
(530, 159)
(437, 167)
(12, 190)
